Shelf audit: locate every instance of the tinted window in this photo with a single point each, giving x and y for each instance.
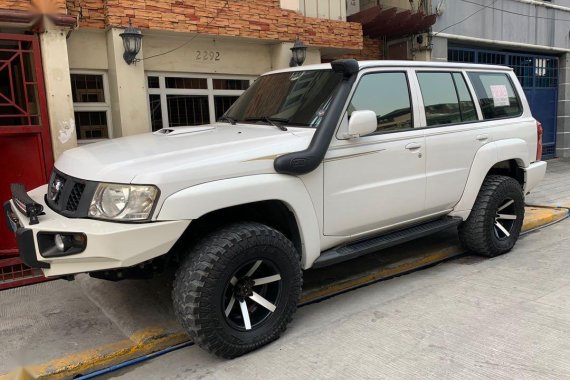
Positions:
(446, 98)
(496, 95)
(388, 95)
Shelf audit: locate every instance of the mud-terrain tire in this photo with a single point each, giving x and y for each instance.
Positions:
(500, 199)
(224, 266)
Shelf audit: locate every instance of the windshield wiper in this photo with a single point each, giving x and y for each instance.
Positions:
(231, 120)
(271, 120)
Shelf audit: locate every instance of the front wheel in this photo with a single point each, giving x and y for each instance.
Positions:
(495, 222)
(238, 289)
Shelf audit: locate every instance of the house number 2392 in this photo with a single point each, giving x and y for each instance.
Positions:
(207, 55)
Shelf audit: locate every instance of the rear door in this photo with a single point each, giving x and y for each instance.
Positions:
(453, 135)
(463, 112)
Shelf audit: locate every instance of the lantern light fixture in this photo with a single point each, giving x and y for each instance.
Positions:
(298, 52)
(132, 41)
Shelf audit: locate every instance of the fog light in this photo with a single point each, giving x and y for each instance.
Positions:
(61, 242)
(58, 244)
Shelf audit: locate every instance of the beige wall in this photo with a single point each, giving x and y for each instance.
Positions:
(87, 50)
(233, 57)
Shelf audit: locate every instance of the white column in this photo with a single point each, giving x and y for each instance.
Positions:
(127, 87)
(57, 80)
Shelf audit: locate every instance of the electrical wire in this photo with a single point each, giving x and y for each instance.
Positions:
(191, 39)
(515, 13)
(466, 18)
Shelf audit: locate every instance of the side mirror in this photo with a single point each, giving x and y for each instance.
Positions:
(362, 123)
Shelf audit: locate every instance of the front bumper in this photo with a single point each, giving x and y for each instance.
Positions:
(110, 245)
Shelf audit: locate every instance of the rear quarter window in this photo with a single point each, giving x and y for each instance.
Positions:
(496, 95)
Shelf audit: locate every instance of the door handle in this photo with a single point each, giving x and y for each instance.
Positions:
(413, 146)
(483, 138)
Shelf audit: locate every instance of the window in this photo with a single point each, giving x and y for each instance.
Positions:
(298, 98)
(496, 95)
(388, 95)
(91, 105)
(181, 100)
(446, 98)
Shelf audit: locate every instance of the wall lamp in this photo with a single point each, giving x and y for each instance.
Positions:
(299, 53)
(132, 41)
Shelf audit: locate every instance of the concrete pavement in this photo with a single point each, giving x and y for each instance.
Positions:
(555, 187)
(470, 318)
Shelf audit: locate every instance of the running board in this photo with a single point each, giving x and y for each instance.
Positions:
(363, 247)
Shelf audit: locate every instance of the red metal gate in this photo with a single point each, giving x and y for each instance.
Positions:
(25, 144)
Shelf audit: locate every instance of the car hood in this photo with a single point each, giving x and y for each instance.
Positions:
(180, 157)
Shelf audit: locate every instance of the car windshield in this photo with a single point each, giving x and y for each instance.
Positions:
(298, 98)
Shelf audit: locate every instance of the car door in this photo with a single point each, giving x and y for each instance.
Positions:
(453, 135)
(376, 181)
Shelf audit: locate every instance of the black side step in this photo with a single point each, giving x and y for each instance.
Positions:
(363, 247)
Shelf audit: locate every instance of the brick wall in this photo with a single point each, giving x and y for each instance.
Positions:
(260, 19)
(91, 12)
(372, 49)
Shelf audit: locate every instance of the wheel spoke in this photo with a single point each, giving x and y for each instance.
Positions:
(507, 204)
(253, 268)
(266, 280)
(505, 216)
(230, 305)
(500, 226)
(245, 314)
(262, 301)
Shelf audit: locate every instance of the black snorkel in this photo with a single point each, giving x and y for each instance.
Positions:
(305, 161)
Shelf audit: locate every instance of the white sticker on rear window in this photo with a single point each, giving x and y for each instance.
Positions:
(500, 95)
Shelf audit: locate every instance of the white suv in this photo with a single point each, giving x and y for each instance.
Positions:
(311, 166)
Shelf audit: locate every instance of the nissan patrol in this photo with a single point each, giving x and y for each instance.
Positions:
(310, 167)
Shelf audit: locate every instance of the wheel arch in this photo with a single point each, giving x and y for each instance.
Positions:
(279, 201)
(504, 157)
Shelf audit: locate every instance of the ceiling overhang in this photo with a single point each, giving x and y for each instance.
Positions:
(392, 22)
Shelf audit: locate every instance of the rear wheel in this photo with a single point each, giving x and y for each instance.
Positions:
(238, 289)
(495, 222)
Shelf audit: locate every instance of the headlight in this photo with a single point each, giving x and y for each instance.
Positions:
(122, 202)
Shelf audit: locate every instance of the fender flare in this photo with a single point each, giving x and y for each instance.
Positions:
(487, 156)
(196, 201)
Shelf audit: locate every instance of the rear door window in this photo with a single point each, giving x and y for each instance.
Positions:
(496, 94)
(446, 98)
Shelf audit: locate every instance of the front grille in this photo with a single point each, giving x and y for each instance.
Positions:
(75, 197)
(68, 195)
